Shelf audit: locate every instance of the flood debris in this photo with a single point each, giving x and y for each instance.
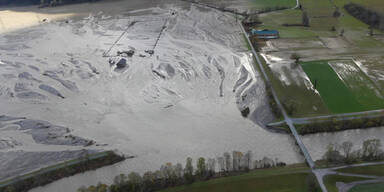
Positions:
(125, 53)
(122, 63)
(150, 52)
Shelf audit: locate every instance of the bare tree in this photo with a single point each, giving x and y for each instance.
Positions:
(236, 156)
(211, 165)
(201, 167)
(178, 170)
(371, 149)
(227, 158)
(167, 170)
(346, 146)
(221, 162)
(120, 179)
(248, 159)
(134, 177)
(370, 28)
(296, 57)
(305, 19)
(188, 171)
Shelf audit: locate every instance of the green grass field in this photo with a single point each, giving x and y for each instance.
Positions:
(377, 170)
(345, 90)
(377, 187)
(271, 180)
(334, 92)
(330, 181)
(273, 3)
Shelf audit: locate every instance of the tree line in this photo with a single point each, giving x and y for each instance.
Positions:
(334, 125)
(170, 175)
(343, 153)
(368, 16)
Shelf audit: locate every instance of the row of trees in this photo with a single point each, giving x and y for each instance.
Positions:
(368, 16)
(173, 175)
(334, 125)
(344, 154)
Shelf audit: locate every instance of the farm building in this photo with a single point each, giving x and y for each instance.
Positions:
(265, 34)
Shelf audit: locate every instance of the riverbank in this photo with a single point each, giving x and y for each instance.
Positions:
(55, 172)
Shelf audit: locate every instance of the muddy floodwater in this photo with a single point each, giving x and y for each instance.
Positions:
(161, 82)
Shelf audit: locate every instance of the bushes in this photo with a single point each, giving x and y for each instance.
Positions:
(245, 112)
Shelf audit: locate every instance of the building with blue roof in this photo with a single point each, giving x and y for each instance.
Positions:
(265, 34)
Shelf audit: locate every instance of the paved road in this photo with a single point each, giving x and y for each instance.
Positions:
(346, 187)
(320, 173)
(297, 4)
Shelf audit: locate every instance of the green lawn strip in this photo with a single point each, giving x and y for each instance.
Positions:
(375, 187)
(272, 3)
(330, 181)
(274, 180)
(247, 43)
(334, 92)
(376, 170)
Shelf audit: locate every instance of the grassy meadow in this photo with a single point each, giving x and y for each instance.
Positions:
(377, 170)
(376, 187)
(272, 180)
(330, 181)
